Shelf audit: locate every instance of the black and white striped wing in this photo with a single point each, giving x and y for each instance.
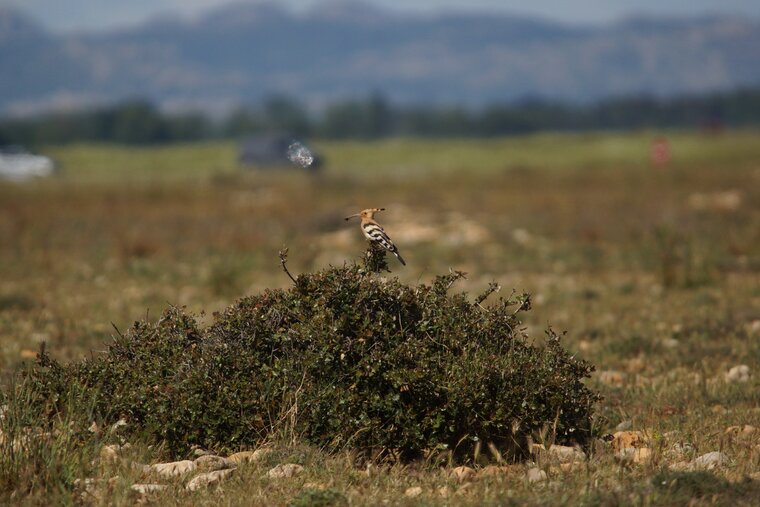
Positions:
(376, 234)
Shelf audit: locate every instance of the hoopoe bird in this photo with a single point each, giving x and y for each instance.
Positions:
(375, 233)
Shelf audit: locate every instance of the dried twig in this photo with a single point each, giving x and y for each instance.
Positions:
(492, 287)
(284, 262)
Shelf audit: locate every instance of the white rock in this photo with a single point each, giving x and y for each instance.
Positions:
(199, 451)
(145, 489)
(623, 426)
(118, 424)
(709, 461)
(413, 492)
(208, 479)
(738, 374)
(174, 469)
(250, 456)
(536, 475)
(285, 471)
(210, 463)
(110, 453)
(567, 454)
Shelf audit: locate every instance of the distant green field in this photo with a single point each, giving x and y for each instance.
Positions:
(603, 151)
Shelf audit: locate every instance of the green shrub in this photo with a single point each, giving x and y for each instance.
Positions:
(343, 359)
(318, 498)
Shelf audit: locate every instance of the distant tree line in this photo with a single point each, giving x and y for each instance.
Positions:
(139, 122)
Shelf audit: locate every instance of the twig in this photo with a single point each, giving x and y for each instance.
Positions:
(455, 276)
(117, 330)
(283, 263)
(492, 287)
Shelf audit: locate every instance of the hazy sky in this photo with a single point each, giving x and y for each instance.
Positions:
(89, 14)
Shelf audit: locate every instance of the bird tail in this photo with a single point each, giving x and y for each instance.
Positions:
(400, 259)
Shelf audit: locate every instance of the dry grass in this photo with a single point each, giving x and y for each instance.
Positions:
(655, 273)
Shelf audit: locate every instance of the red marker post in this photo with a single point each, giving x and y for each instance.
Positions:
(659, 152)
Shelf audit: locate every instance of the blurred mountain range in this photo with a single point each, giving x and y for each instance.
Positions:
(245, 51)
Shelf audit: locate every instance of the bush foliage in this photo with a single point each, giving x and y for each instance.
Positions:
(343, 359)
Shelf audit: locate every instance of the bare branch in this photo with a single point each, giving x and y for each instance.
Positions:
(284, 262)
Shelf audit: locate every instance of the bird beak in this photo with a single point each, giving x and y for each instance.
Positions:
(352, 216)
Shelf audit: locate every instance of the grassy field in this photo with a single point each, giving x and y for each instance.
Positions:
(653, 272)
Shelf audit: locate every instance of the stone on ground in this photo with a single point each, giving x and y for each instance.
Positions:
(738, 373)
(211, 463)
(174, 469)
(709, 461)
(536, 475)
(250, 456)
(285, 471)
(208, 479)
(413, 492)
(146, 489)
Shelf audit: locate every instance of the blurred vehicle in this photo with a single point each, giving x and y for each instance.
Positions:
(270, 151)
(18, 164)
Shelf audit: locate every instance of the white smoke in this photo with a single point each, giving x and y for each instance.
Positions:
(300, 154)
